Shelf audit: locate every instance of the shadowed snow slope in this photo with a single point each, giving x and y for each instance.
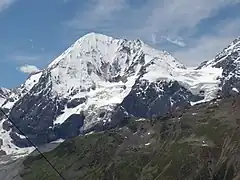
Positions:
(98, 82)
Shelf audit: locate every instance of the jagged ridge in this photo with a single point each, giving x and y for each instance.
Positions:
(229, 61)
(98, 82)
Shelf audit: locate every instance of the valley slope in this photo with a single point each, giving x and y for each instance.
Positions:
(100, 81)
(200, 143)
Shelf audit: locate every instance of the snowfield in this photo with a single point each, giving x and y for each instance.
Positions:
(102, 70)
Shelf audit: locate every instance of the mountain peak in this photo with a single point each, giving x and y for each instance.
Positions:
(96, 58)
(99, 81)
(94, 35)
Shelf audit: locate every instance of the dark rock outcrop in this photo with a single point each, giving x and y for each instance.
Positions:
(147, 100)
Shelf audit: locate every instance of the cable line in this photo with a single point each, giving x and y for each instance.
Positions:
(44, 157)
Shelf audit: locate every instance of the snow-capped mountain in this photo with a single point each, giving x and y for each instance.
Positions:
(7, 147)
(11, 97)
(97, 83)
(229, 61)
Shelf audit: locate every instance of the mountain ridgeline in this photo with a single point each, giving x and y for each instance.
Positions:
(99, 82)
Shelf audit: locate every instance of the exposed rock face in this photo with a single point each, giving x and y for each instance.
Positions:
(80, 90)
(229, 61)
(147, 99)
(99, 82)
(200, 143)
(4, 93)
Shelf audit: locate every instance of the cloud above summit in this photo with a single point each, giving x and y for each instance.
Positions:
(192, 31)
(180, 23)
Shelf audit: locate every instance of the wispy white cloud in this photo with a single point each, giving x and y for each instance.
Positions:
(25, 58)
(157, 21)
(98, 12)
(208, 46)
(174, 16)
(154, 41)
(32, 58)
(28, 69)
(176, 41)
(4, 4)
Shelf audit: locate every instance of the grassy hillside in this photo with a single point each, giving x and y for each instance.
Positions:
(200, 144)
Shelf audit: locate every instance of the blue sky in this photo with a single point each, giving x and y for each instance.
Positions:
(34, 32)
